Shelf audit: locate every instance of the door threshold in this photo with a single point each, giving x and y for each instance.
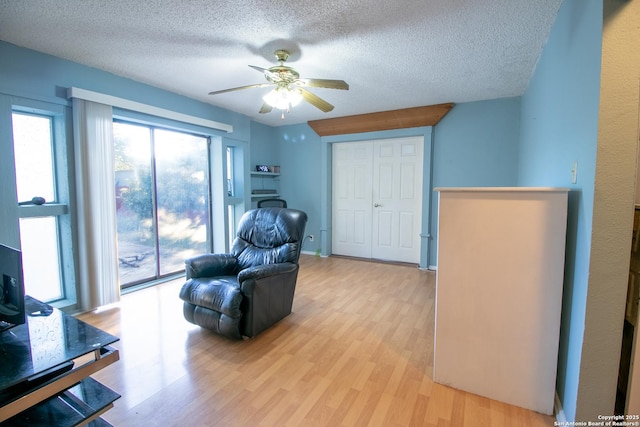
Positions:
(376, 260)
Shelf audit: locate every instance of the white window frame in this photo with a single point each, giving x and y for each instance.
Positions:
(61, 145)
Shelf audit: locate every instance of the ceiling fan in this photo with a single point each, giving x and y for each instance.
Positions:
(289, 87)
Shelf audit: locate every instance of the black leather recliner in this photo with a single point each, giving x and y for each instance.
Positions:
(248, 290)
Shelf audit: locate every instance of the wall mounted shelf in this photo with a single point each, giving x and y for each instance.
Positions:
(265, 174)
(262, 182)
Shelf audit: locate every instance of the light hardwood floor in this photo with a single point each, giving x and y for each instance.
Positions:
(357, 350)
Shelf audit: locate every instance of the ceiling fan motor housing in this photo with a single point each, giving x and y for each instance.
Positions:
(285, 74)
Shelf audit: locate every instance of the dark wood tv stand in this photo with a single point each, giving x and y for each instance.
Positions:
(45, 368)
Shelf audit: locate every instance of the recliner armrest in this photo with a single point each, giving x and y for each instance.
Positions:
(210, 265)
(265, 270)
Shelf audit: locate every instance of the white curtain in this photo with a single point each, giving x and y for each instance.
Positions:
(99, 283)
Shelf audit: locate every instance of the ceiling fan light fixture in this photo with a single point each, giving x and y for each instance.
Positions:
(283, 98)
(289, 89)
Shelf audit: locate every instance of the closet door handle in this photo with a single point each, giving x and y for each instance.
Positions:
(376, 205)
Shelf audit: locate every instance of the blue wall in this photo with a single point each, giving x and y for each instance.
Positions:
(34, 75)
(475, 145)
(263, 148)
(559, 127)
(300, 151)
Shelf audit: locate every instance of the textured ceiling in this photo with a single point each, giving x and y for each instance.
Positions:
(396, 54)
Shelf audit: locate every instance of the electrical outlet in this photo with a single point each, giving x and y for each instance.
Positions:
(311, 237)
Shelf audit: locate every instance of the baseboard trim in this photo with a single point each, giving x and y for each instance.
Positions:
(313, 253)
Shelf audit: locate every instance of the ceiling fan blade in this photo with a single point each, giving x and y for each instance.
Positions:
(266, 108)
(239, 88)
(268, 73)
(315, 100)
(330, 84)
(255, 67)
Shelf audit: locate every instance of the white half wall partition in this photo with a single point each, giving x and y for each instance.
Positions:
(499, 292)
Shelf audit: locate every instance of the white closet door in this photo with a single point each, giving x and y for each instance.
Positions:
(377, 199)
(352, 199)
(397, 199)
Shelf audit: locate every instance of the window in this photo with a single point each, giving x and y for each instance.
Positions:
(40, 227)
(164, 197)
(162, 200)
(231, 217)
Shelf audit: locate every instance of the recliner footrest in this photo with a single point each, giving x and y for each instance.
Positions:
(221, 294)
(210, 319)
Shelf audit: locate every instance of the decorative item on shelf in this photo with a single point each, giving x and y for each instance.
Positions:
(262, 168)
(275, 169)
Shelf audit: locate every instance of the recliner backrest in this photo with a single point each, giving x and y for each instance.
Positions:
(269, 236)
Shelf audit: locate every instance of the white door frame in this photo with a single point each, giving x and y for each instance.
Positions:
(427, 244)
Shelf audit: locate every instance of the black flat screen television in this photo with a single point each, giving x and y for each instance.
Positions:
(12, 311)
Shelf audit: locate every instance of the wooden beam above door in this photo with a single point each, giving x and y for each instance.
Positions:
(428, 115)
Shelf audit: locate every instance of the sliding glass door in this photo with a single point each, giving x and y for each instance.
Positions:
(162, 200)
